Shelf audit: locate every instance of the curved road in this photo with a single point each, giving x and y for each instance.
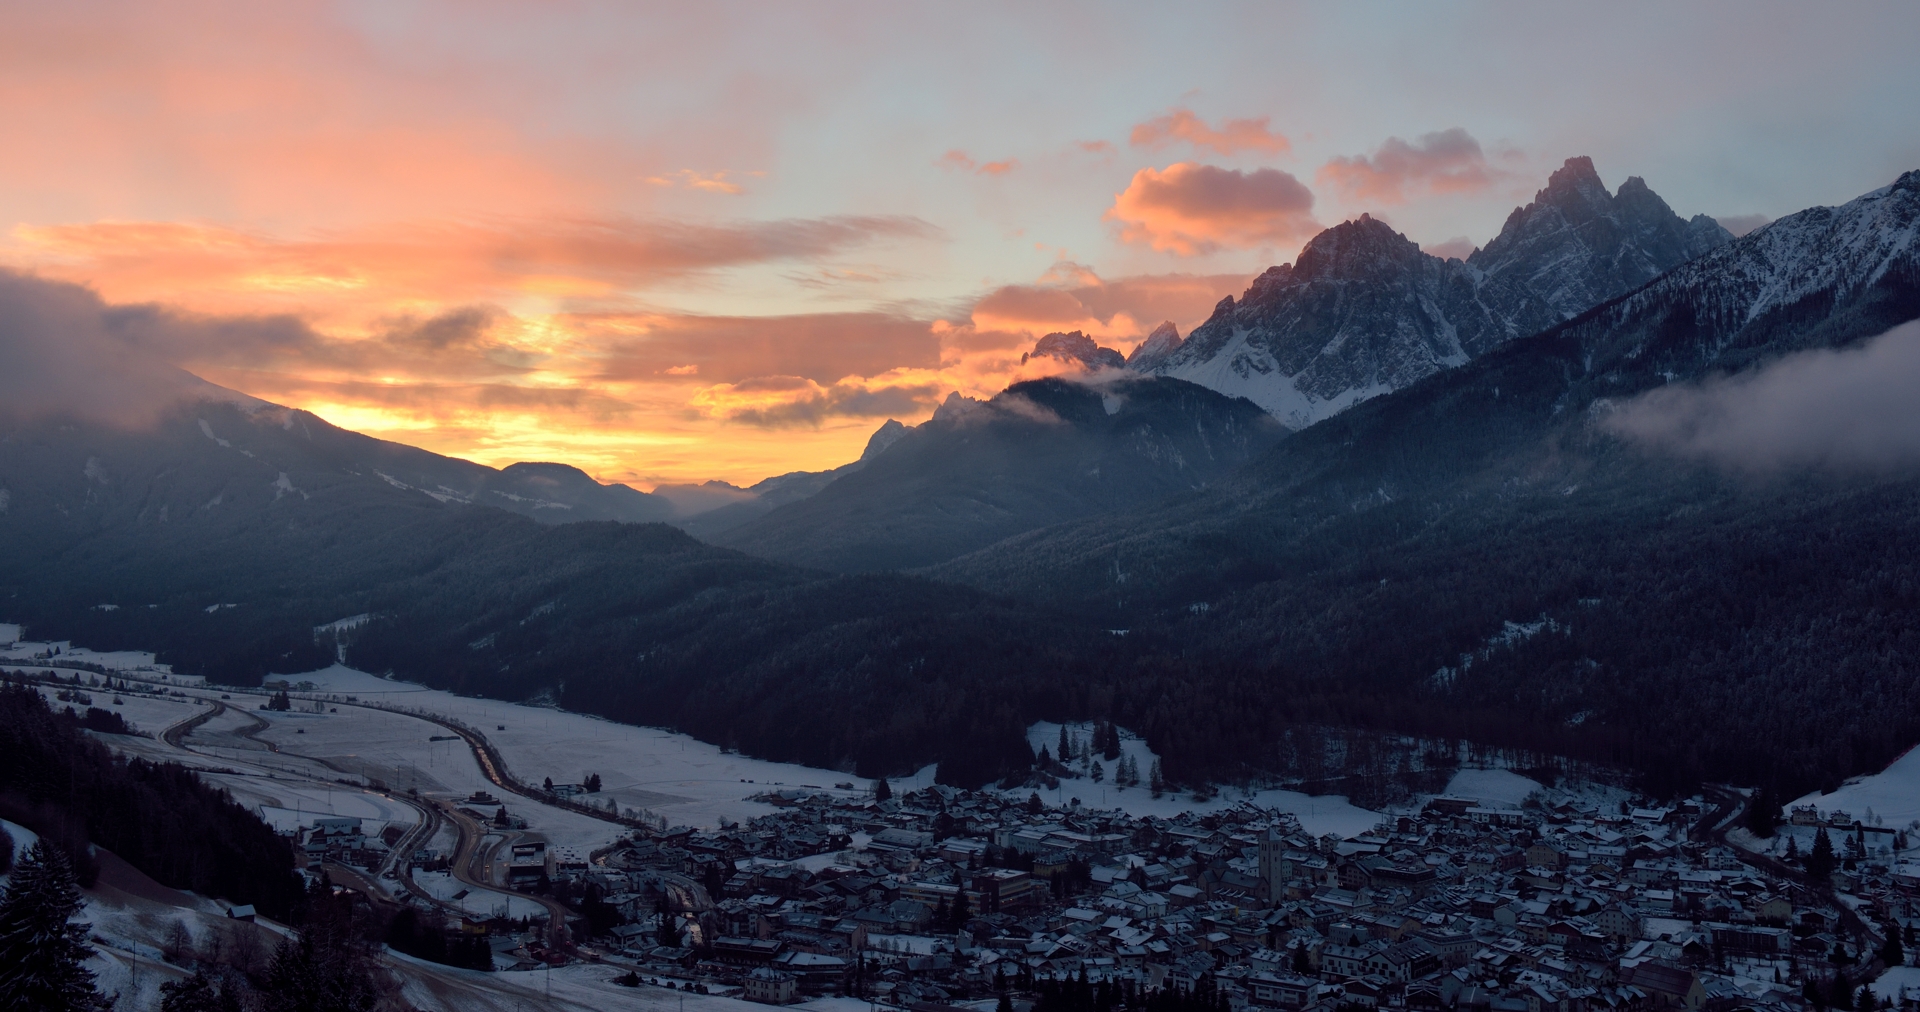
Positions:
(469, 867)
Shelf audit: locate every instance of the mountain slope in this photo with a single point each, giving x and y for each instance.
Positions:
(1040, 453)
(1362, 311)
(228, 560)
(1480, 556)
(769, 494)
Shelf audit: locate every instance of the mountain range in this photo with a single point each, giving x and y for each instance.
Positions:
(1479, 554)
(1362, 311)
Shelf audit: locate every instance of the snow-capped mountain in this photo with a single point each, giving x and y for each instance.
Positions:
(1823, 276)
(1150, 353)
(1362, 311)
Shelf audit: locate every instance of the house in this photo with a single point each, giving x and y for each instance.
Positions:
(1668, 986)
(770, 986)
(1280, 990)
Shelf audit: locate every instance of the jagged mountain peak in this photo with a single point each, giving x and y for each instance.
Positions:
(1075, 346)
(1354, 249)
(1362, 310)
(1575, 180)
(884, 436)
(1150, 353)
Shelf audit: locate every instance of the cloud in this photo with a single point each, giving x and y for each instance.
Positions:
(1741, 224)
(710, 182)
(1458, 248)
(449, 260)
(1838, 410)
(60, 354)
(1190, 209)
(819, 347)
(1449, 161)
(1071, 296)
(1232, 137)
(782, 401)
(960, 161)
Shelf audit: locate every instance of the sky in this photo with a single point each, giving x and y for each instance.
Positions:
(681, 242)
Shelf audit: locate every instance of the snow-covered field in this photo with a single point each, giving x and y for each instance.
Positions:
(1496, 788)
(443, 886)
(1897, 984)
(14, 650)
(684, 780)
(1891, 795)
(1319, 815)
(151, 714)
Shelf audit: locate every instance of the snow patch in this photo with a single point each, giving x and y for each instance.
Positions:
(1892, 795)
(1495, 788)
(207, 430)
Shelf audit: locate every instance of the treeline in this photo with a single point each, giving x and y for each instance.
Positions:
(158, 817)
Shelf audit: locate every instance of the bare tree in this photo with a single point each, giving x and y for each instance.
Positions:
(214, 945)
(246, 948)
(179, 943)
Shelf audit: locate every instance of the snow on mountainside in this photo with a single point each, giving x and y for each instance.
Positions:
(1823, 254)
(1362, 311)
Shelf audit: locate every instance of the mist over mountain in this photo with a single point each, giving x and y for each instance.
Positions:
(1676, 613)
(1481, 555)
(1362, 311)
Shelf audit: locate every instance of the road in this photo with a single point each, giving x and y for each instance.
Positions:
(472, 862)
(472, 866)
(1730, 806)
(494, 768)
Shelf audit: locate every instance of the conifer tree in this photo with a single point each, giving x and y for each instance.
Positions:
(1065, 749)
(42, 955)
(1112, 743)
(882, 790)
(1820, 862)
(1157, 780)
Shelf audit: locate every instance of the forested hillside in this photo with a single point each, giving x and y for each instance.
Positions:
(158, 817)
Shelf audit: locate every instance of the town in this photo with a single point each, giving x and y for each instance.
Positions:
(942, 896)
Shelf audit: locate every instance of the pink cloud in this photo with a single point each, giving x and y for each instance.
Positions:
(1191, 209)
(1449, 161)
(1232, 136)
(1072, 297)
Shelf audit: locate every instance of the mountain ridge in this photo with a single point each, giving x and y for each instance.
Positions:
(1363, 311)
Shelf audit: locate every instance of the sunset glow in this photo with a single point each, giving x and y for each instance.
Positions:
(652, 244)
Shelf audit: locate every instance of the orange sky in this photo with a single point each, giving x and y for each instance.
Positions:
(680, 243)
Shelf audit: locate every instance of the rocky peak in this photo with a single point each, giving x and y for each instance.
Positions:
(1164, 341)
(1577, 245)
(955, 407)
(886, 435)
(1362, 310)
(1354, 250)
(1075, 347)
